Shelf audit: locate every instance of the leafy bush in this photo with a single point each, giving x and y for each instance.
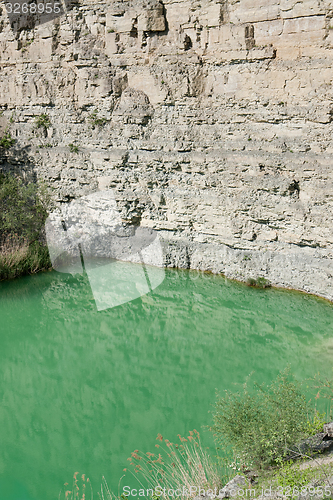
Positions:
(23, 208)
(95, 121)
(7, 141)
(73, 148)
(262, 424)
(263, 283)
(23, 211)
(42, 121)
(260, 282)
(316, 424)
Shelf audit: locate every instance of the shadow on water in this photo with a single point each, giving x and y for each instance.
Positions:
(82, 389)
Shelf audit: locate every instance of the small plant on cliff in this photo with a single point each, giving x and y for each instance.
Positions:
(262, 423)
(95, 121)
(26, 44)
(260, 282)
(42, 121)
(73, 148)
(184, 464)
(263, 282)
(7, 141)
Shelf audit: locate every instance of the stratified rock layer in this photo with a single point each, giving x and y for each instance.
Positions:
(212, 123)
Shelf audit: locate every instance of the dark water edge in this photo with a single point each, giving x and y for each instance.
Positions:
(82, 389)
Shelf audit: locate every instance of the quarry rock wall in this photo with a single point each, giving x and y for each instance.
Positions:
(211, 121)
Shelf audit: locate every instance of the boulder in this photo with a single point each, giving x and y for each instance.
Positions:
(318, 443)
(328, 429)
(133, 107)
(152, 17)
(229, 491)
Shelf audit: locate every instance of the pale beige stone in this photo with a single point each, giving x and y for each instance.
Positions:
(223, 143)
(111, 46)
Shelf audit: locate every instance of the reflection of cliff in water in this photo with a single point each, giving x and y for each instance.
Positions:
(83, 389)
(88, 235)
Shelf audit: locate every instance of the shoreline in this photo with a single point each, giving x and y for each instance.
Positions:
(200, 271)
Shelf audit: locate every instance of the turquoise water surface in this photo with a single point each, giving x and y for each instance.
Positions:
(81, 389)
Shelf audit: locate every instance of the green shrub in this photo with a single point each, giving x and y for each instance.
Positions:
(316, 424)
(263, 283)
(260, 282)
(96, 122)
(42, 121)
(23, 211)
(23, 208)
(262, 424)
(73, 148)
(7, 141)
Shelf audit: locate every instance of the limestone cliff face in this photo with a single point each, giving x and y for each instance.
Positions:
(212, 121)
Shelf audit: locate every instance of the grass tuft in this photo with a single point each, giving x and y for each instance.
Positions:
(19, 258)
(182, 465)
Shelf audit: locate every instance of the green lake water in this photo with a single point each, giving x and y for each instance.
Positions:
(81, 389)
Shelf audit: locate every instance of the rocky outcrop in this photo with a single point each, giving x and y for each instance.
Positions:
(319, 443)
(211, 121)
(230, 489)
(328, 430)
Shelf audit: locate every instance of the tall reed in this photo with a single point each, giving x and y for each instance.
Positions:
(185, 465)
(79, 490)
